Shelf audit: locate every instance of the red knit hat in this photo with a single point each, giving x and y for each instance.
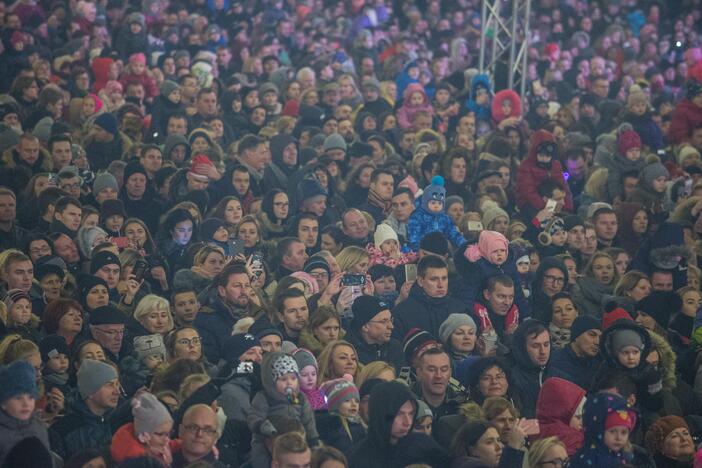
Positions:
(612, 316)
(199, 166)
(628, 140)
(624, 418)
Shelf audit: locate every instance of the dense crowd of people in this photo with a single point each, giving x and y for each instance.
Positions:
(310, 233)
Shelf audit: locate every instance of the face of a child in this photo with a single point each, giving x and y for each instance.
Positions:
(659, 184)
(413, 73)
(288, 380)
(523, 267)
(19, 407)
(21, 312)
(308, 378)
(629, 356)
(416, 99)
(423, 425)
(435, 206)
(559, 238)
(564, 313)
(390, 247)
(151, 362)
(175, 96)
(114, 222)
(506, 107)
(349, 408)
(498, 257)
(138, 68)
(633, 154)
(58, 363)
(616, 438)
(88, 106)
(639, 108)
(442, 97)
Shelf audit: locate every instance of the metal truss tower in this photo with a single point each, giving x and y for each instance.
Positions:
(504, 42)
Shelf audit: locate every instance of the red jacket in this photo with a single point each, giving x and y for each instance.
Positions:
(530, 176)
(513, 98)
(558, 400)
(686, 117)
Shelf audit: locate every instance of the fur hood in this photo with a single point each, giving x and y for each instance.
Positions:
(663, 256)
(667, 360)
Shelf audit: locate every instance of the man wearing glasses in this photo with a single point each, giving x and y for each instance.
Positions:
(371, 332)
(198, 433)
(107, 328)
(551, 278)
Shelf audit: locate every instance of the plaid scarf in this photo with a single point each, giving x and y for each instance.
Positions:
(375, 200)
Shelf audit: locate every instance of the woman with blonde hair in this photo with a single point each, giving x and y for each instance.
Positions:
(353, 260)
(337, 359)
(208, 262)
(376, 370)
(153, 313)
(632, 286)
(323, 327)
(546, 452)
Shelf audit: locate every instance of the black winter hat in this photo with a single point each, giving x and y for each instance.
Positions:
(107, 315)
(101, 259)
(364, 309)
(53, 345)
(660, 305)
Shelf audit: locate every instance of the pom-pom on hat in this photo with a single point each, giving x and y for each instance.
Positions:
(436, 191)
(338, 391)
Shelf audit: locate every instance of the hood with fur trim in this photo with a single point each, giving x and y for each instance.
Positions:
(667, 361)
(514, 100)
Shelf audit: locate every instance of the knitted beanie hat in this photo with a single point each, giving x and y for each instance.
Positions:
(628, 140)
(284, 365)
(338, 391)
(659, 430)
(452, 323)
(17, 378)
(304, 358)
(624, 418)
(105, 180)
(92, 375)
(623, 338)
(436, 191)
(149, 414)
(653, 169)
(382, 233)
(150, 345)
(14, 295)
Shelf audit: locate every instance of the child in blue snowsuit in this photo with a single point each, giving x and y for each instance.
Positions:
(430, 216)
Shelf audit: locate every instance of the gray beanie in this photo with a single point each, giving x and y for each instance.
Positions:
(92, 375)
(149, 414)
(42, 130)
(149, 345)
(167, 87)
(452, 322)
(653, 170)
(267, 88)
(304, 358)
(334, 141)
(423, 410)
(104, 180)
(626, 337)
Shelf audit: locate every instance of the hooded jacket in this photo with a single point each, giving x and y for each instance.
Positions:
(617, 165)
(527, 376)
(514, 99)
(594, 451)
(214, 323)
(421, 311)
(376, 450)
(171, 142)
(15, 173)
(269, 402)
(648, 380)
(277, 172)
(12, 431)
(658, 252)
(406, 113)
(530, 176)
(556, 406)
(686, 117)
(482, 113)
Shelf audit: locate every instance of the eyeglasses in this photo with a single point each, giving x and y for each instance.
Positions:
(40, 250)
(554, 279)
(556, 462)
(194, 429)
(384, 322)
(493, 378)
(188, 342)
(281, 204)
(320, 275)
(110, 333)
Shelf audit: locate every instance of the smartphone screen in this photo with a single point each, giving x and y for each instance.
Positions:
(410, 272)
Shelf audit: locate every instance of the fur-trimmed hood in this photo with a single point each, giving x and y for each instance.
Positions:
(667, 360)
(664, 257)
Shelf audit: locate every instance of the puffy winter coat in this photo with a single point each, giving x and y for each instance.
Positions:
(556, 406)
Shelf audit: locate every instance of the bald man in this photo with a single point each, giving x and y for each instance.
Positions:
(199, 432)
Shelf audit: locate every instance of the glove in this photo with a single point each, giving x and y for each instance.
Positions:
(268, 429)
(653, 380)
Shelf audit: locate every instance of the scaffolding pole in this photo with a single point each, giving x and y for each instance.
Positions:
(504, 41)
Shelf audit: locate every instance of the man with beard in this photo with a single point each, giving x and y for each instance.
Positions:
(224, 302)
(293, 312)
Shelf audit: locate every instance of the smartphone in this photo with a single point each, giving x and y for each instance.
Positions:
(353, 280)
(235, 247)
(257, 263)
(121, 242)
(475, 226)
(140, 269)
(551, 205)
(410, 272)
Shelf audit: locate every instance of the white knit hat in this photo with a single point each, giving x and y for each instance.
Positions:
(382, 233)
